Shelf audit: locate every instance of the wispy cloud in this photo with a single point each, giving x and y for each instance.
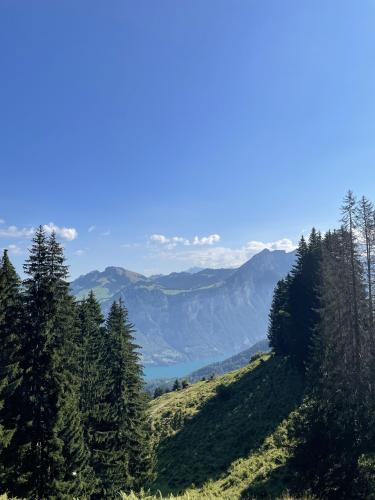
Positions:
(220, 256)
(106, 233)
(91, 229)
(65, 233)
(173, 241)
(16, 232)
(15, 249)
(130, 245)
(2, 221)
(79, 252)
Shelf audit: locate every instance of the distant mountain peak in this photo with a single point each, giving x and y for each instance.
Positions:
(194, 270)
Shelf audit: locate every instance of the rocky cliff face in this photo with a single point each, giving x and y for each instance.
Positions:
(186, 316)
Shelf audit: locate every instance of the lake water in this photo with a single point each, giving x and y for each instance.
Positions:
(179, 369)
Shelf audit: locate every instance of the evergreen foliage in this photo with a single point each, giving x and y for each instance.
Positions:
(73, 417)
(10, 372)
(294, 312)
(322, 318)
(133, 444)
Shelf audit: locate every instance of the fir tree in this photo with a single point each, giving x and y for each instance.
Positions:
(97, 385)
(10, 371)
(279, 319)
(333, 423)
(133, 446)
(159, 391)
(294, 310)
(48, 448)
(176, 385)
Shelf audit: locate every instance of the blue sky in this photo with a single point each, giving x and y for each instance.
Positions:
(221, 127)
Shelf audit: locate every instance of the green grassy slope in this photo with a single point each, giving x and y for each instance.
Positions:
(228, 437)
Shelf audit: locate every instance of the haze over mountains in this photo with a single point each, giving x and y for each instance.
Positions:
(193, 315)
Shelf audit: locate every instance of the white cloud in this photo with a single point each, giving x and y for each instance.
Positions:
(172, 242)
(206, 240)
(106, 233)
(16, 232)
(159, 238)
(66, 233)
(15, 250)
(219, 256)
(283, 244)
(91, 229)
(79, 252)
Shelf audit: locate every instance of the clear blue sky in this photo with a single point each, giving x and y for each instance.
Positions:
(246, 119)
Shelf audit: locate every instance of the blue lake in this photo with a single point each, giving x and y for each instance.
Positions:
(179, 369)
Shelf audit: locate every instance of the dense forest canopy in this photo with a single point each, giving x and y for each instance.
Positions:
(72, 408)
(322, 320)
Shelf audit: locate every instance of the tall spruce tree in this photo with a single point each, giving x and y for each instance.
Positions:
(133, 445)
(279, 319)
(10, 371)
(365, 222)
(333, 422)
(48, 448)
(97, 385)
(294, 310)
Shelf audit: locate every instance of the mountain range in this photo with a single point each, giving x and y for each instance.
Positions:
(188, 316)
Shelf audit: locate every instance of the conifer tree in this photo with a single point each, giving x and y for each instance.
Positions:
(48, 448)
(176, 385)
(133, 446)
(294, 310)
(279, 319)
(97, 385)
(333, 420)
(365, 222)
(10, 371)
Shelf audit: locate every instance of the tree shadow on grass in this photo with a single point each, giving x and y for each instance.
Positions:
(229, 426)
(272, 486)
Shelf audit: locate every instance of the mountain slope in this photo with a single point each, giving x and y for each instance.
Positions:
(184, 316)
(233, 363)
(219, 368)
(228, 436)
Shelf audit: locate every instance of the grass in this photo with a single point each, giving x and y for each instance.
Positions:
(228, 437)
(194, 495)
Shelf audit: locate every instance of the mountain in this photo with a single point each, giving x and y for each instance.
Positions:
(229, 437)
(194, 269)
(184, 316)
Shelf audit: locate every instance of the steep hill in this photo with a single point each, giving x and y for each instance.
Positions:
(184, 316)
(228, 436)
